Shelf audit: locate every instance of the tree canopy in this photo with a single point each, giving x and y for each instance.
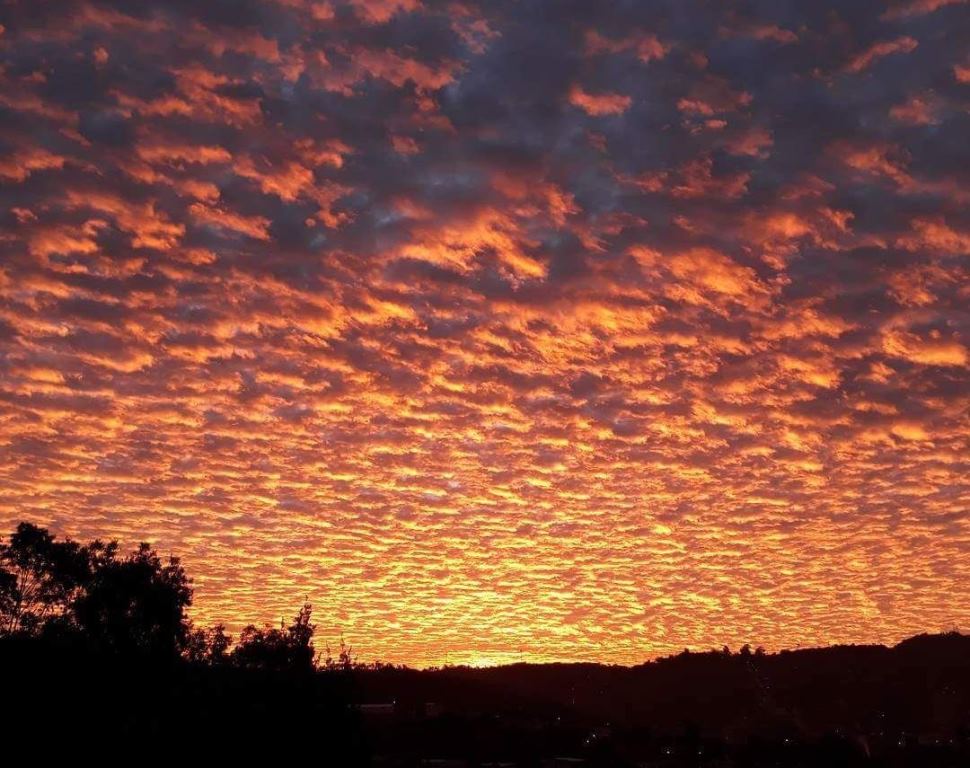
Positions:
(126, 605)
(132, 606)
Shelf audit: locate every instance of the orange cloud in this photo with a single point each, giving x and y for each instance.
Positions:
(357, 306)
(599, 104)
(713, 271)
(646, 46)
(23, 164)
(380, 11)
(909, 8)
(880, 50)
(917, 110)
(165, 152)
(935, 234)
(223, 219)
(926, 351)
(148, 227)
(765, 32)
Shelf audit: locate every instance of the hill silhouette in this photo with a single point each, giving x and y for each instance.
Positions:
(909, 704)
(96, 648)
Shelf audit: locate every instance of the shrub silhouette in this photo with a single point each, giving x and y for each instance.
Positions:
(208, 646)
(287, 649)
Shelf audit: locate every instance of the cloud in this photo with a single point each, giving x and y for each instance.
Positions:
(645, 46)
(599, 104)
(456, 316)
(910, 8)
(20, 166)
(230, 221)
(876, 51)
(380, 11)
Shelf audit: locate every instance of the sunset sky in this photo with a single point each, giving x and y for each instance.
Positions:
(500, 330)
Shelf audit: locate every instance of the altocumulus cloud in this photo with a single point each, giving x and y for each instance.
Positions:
(500, 329)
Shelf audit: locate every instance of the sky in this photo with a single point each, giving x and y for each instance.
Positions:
(499, 330)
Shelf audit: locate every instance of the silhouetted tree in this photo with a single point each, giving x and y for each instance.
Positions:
(300, 634)
(136, 605)
(345, 660)
(48, 575)
(8, 592)
(208, 646)
(284, 649)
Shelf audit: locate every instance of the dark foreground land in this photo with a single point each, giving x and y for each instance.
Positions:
(841, 706)
(99, 663)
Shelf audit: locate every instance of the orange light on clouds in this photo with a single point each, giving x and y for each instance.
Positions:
(498, 336)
